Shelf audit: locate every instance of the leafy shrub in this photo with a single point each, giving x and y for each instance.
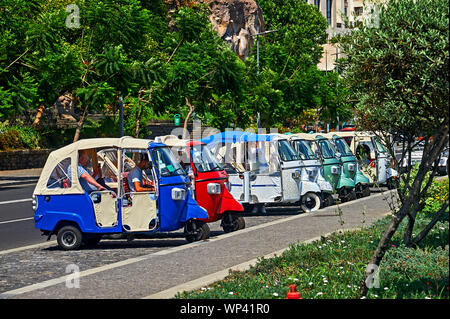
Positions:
(18, 136)
(436, 196)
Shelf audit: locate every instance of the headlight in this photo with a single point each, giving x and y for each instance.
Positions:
(213, 188)
(334, 170)
(35, 203)
(178, 194)
(297, 174)
(351, 167)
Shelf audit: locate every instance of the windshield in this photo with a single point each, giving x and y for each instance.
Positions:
(304, 150)
(342, 147)
(287, 153)
(380, 147)
(165, 162)
(204, 160)
(326, 148)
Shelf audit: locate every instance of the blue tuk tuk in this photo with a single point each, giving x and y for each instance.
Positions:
(67, 205)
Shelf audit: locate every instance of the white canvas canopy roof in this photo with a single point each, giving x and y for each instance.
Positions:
(172, 141)
(304, 136)
(71, 151)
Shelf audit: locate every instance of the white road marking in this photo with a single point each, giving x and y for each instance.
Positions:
(16, 220)
(16, 201)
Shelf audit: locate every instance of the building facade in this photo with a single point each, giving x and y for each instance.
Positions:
(336, 12)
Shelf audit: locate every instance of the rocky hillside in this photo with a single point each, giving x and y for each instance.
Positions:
(234, 20)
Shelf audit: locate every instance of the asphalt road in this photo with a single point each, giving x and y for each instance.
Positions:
(16, 217)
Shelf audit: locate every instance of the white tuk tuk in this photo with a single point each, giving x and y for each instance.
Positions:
(264, 169)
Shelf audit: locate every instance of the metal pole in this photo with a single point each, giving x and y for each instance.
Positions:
(258, 121)
(257, 53)
(120, 116)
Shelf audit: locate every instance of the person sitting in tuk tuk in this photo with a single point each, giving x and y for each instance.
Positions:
(88, 183)
(135, 177)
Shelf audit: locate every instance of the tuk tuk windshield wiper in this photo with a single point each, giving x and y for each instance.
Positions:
(343, 147)
(287, 153)
(304, 150)
(204, 160)
(165, 162)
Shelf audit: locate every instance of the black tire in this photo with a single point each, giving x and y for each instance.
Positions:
(233, 223)
(197, 230)
(310, 202)
(366, 191)
(346, 195)
(392, 183)
(69, 238)
(327, 200)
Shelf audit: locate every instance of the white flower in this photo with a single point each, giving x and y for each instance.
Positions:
(310, 283)
(230, 293)
(275, 294)
(295, 279)
(386, 288)
(348, 286)
(363, 297)
(319, 294)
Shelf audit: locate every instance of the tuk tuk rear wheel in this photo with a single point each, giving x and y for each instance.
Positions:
(69, 238)
(310, 202)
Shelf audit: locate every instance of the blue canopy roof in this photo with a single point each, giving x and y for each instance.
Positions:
(236, 136)
(224, 137)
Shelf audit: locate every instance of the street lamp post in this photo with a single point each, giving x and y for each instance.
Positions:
(257, 45)
(257, 64)
(121, 116)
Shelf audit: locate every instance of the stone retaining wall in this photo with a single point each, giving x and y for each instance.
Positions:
(23, 159)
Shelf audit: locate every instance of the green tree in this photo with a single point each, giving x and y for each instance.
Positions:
(203, 74)
(289, 81)
(397, 69)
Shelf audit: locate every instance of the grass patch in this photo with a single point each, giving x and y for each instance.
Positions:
(333, 268)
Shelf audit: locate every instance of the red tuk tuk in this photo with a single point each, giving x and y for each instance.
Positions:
(209, 181)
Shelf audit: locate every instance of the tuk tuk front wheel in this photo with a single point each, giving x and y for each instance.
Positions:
(392, 183)
(310, 202)
(196, 230)
(232, 223)
(69, 238)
